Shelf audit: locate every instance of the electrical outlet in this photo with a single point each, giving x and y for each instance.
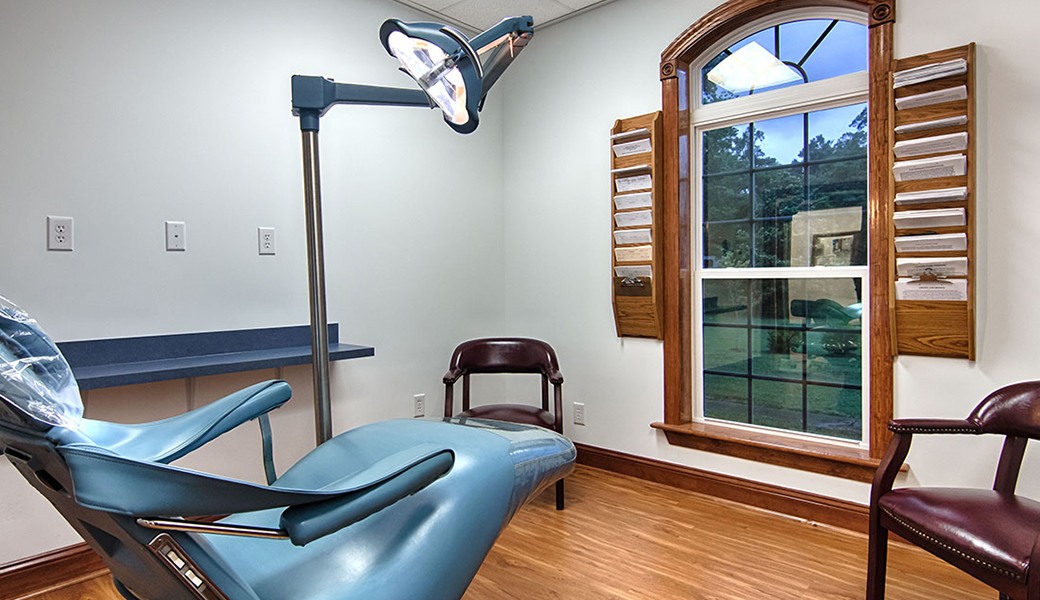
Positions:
(267, 243)
(175, 236)
(59, 233)
(420, 405)
(579, 413)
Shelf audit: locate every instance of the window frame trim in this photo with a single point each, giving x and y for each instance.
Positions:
(676, 69)
(824, 94)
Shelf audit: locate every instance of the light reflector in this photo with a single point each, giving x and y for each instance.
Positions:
(436, 72)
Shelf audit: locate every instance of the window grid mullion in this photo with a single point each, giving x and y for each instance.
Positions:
(815, 163)
(750, 358)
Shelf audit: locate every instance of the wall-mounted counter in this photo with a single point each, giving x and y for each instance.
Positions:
(125, 361)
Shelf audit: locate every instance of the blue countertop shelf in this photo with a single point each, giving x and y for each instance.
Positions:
(124, 361)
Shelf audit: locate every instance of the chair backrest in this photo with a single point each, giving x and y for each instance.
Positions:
(1013, 410)
(505, 355)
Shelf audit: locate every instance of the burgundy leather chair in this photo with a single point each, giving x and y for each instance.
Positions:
(993, 535)
(508, 355)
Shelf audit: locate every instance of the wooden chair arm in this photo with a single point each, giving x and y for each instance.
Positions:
(452, 375)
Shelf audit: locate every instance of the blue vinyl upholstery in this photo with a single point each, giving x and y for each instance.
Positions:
(399, 509)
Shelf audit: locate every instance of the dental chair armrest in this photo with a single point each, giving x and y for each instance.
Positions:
(136, 488)
(169, 439)
(305, 523)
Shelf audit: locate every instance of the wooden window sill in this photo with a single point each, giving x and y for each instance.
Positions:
(760, 446)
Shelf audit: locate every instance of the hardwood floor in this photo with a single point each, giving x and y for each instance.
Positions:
(626, 539)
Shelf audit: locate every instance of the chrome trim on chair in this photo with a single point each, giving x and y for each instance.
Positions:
(216, 528)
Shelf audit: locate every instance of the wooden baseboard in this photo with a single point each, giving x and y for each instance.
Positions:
(804, 505)
(49, 571)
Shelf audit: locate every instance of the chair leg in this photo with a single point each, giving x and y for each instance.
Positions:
(877, 559)
(559, 495)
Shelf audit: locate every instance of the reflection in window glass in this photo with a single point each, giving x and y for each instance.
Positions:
(848, 41)
(726, 301)
(813, 49)
(779, 141)
(795, 212)
(838, 184)
(776, 404)
(727, 197)
(838, 132)
(780, 192)
(726, 398)
(830, 412)
(784, 353)
(798, 37)
(729, 150)
(727, 245)
(772, 244)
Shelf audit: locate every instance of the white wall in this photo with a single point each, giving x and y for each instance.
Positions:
(127, 113)
(576, 78)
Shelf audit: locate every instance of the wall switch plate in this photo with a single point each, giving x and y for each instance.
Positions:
(579, 413)
(59, 233)
(266, 242)
(420, 405)
(175, 236)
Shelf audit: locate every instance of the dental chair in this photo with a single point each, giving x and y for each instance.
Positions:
(403, 509)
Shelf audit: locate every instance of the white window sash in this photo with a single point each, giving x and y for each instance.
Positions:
(808, 97)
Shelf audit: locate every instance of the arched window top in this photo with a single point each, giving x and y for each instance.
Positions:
(785, 53)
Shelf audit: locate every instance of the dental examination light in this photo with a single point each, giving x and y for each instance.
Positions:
(454, 74)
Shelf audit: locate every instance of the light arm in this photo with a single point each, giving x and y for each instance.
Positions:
(498, 46)
(313, 96)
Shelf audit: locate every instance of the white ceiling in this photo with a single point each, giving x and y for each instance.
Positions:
(478, 15)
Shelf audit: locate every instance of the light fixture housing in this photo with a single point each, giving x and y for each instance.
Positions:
(750, 68)
(456, 72)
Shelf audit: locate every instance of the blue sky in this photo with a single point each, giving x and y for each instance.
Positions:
(783, 136)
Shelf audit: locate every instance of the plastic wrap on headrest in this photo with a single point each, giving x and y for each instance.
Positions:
(33, 374)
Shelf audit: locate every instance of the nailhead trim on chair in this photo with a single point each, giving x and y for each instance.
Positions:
(914, 429)
(1017, 577)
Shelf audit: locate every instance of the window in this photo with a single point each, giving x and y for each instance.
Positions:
(770, 203)
(780, 261)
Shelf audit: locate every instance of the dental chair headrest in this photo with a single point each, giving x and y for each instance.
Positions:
(35, 379)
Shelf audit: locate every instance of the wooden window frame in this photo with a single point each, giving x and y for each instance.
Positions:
(679, 426)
